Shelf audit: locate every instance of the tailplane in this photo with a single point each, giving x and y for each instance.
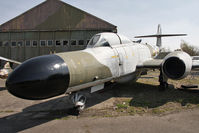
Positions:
(159, 36)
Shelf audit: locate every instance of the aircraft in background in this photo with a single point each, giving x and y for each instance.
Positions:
(109, 57)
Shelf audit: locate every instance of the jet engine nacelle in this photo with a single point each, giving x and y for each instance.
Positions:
(177, 65)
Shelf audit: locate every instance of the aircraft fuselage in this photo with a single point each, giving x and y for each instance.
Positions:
(51, 75)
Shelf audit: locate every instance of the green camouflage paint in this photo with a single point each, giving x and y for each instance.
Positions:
(84, 68)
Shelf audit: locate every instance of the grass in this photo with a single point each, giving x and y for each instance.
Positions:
(7, 111)
(144, 96)
(122, 106)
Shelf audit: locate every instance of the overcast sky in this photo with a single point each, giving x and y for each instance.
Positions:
(132, 17)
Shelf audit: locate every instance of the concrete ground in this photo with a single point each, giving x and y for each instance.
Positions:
(54, 115)
(183, 122)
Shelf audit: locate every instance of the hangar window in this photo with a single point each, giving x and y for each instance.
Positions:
(58, 43)
(73, 42)
(1, 43)
(20, 43)
(34, 43)
(28, 43)
(6, 43)
(42, 43)
(65, 42)
(50, 43)
(13, 43)
(81, 42)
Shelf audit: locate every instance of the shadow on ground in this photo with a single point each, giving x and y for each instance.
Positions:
(142, 95)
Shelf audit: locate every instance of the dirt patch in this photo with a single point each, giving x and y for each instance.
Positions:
(140, 98)
(144, 98)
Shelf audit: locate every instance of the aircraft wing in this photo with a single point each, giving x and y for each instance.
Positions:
(9, 60)
(195, 64)
(153, 63)
(157, 63)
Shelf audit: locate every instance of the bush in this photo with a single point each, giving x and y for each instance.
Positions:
(191, 50)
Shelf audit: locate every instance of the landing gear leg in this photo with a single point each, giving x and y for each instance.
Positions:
(163, 82)
(79, 101)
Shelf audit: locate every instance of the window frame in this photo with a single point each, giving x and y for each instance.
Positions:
(47, 42)
(33, 43)
(20, 41)
(14, 41)
(81, 44)
(26, 43)
(66, 44)
(6, 42)
(73, 41)
(60, 43)
(41, 44)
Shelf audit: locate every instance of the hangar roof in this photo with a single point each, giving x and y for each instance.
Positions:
(55, 15)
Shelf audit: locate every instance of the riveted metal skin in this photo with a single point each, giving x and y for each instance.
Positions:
(47, 76)
(39, 78)
(84, 67)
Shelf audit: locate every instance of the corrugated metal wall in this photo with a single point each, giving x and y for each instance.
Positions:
(19, 45)
(51, 22)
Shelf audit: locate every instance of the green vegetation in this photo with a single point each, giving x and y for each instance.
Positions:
(7, 111)
(144, 98)
(122, 106)
(158, 111)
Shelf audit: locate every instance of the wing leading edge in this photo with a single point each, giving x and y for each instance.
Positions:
(9, 60)
(153, 63)
(157, 63)
(195, 64)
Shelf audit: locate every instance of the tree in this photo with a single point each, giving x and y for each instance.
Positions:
(191, 50)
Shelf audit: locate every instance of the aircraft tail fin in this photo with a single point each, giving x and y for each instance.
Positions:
(159, 36)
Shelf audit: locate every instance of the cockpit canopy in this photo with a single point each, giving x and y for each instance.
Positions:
(107, 40)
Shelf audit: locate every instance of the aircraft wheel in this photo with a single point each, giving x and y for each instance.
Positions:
(79, 101)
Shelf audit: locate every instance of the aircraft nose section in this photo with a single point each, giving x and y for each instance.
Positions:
(39, 78)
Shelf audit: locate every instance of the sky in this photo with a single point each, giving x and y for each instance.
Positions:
(132, 17)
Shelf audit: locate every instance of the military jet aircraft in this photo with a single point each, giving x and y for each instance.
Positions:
(109, 57)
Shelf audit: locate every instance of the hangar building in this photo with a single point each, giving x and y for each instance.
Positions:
(53, 26)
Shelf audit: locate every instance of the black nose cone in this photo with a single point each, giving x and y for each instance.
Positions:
(39, 78)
